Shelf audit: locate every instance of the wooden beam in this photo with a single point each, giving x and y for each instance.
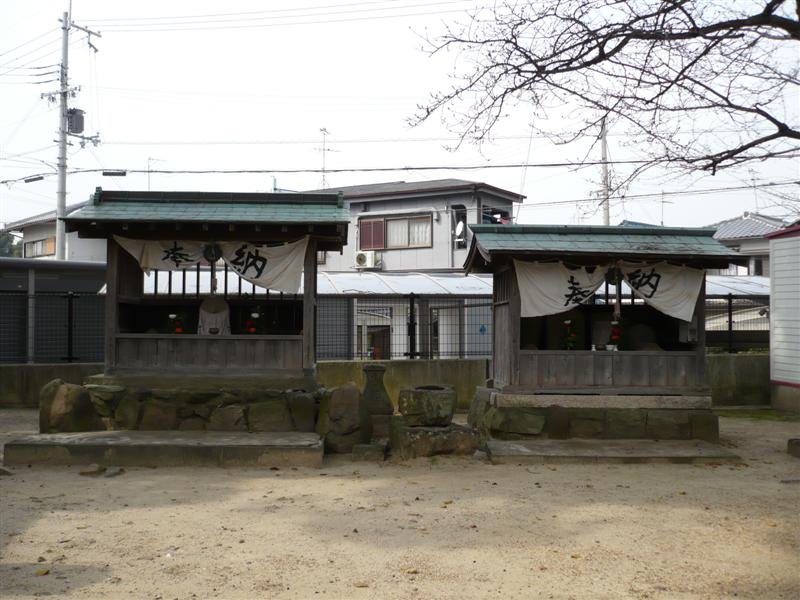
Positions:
(700, 319)
(111, 315)
(310, 305)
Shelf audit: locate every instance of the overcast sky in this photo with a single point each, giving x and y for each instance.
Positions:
(248, 85)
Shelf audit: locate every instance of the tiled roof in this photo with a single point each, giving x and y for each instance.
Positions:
(749, 225)
(212, 207)
(45, 217)
(403, 188)
(566, 240)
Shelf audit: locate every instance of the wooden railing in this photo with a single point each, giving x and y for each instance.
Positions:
(552, 369)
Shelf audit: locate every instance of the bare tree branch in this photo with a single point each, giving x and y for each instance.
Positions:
(658, 68)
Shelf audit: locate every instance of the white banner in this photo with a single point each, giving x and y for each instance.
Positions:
(669, 288)
(163, 255)
(278, 268)
(273, 267)
(552, 288)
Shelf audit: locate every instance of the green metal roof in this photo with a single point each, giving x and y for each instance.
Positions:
(611, 241)
(212, 207)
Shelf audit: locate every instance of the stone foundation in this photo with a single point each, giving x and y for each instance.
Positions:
(69, 408)
(593, 417)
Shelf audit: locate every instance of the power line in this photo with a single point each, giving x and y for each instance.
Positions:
(222, 18)
(288, 24)
(38, 37)
(241, 14)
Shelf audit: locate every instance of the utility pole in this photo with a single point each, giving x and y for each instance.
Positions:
(604, 158)
(66, 128)
(150, 159)
(324, 133)
(61, 163)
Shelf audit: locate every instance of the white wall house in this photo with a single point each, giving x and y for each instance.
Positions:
(414, 226)
(39, 239)
(747, 234)
(784, 341)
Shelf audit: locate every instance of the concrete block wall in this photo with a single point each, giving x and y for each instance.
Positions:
(738, 379)
(464, 374)
(20, 384)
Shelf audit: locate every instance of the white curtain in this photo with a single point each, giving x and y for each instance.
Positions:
(397, 233)
(552, 288)
(277, 268)
(669, 288)
(163, 255)
(419, 232)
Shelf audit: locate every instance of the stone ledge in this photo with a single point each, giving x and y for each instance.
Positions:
(168, 448)
(505, 400)
(606, 451)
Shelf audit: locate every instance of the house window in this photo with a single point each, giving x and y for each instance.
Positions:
(45, 247)
(393, 233)
(370, 234)
(321, 257)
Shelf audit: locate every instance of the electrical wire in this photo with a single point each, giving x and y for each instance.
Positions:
(289, 24)
(219, 18)
(13, 60)
(38, 37)
(240, 14)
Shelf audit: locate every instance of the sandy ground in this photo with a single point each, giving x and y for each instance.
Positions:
(444, 528)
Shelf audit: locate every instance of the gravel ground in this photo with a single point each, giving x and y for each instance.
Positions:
(442, 528)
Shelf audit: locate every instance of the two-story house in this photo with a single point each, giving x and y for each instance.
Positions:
(416, 226)
(747, 235)
(39, 238)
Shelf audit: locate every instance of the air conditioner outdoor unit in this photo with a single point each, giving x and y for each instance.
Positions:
(367, 259)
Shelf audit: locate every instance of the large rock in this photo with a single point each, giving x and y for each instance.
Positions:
(479, 405)
(428, 405)
(105, 398)
(126, 415)
(272, 415)
(71, 409)
(228, 418)
(338, 421)
(158, 415)
(194, 396)
(46, 395)
(412, 442)
(253, 395)
(303, 409)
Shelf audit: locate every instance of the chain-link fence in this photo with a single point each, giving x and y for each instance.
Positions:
(735, 322)
(51, 327)
(403, 327)
(68, 327)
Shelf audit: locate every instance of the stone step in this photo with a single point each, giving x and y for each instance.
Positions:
(606, 451)
(649, 401)
(168, 449)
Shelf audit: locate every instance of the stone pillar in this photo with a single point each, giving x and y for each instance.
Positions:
(374, 399)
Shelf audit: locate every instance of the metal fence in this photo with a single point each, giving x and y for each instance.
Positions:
(403, 327)
(51, 327)
(736, 322)
(59, 327)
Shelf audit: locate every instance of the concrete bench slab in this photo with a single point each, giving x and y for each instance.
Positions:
(168, 448)
(606, 451)
(506, 400)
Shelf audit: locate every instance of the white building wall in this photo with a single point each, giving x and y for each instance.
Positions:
(411, 259)
(785, 310)
(77, 248)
